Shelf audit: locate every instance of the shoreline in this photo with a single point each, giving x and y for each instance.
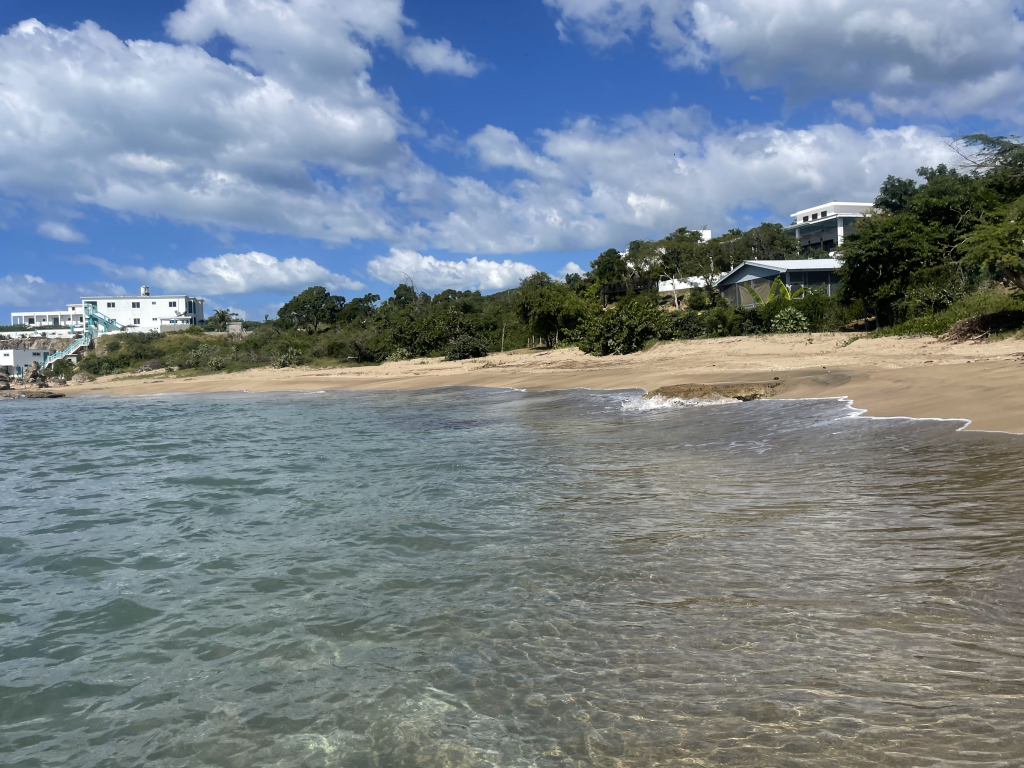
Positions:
(982, 383)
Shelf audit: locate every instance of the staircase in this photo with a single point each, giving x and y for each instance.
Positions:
(96, 323)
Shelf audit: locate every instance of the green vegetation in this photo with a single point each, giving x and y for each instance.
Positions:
(928, 251)
(932, 253)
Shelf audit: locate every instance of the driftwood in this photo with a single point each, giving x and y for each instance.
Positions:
(980, 326)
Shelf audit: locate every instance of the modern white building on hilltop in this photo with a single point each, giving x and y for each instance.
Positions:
(136, 313)
(824, 227)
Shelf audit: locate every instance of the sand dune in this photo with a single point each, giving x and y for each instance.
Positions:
(919, 377)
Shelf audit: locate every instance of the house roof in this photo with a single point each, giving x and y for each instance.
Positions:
(781, 266)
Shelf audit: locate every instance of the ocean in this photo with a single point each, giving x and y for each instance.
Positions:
(471, 577)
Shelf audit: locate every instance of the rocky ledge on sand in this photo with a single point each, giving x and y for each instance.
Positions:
(716, 391)
(30, 394)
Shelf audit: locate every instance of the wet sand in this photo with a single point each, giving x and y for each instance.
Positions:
(915, 377)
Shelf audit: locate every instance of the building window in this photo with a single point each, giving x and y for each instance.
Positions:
(814, 216)
(824, 214)
(137, 321)
(111, 305)
(136, 304)
(172, 303)
(807, 218)
(154, 303)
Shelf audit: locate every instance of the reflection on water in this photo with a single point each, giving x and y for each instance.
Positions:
(475, 578)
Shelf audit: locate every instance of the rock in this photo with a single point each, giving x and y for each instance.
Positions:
(152, 365)
(83, 378)
(30, 394)
(57, 381)
(712, 391)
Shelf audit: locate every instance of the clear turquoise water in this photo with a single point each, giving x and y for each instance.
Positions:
(477, 578)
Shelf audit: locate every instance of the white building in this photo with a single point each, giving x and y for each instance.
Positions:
(823, 227)
(149, 313)
(66, 318)
(17, 361)
(136, 313)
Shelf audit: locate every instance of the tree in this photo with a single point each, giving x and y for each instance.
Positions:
(313, 308)
(219, 319)
(609, 267)
(999, 242)
(549, 308)
(680, 259)
(769, 241)
(359, 310)
(643, 260)
(895, 194)
(880, 259)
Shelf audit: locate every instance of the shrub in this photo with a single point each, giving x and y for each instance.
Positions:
(686, 325)
(980, 303)
(291, 357)
(464, 347)
(624, 329)
(401, 353)
(724, 321)
(789, 320)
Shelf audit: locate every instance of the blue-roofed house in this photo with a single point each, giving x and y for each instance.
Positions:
(822, 274)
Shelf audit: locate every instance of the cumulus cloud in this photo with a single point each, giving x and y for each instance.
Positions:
(594, 184)
(58, 231)
(32, 293)
(901, 49)
(290, 137)
(430, 273)
(440, 56)
(234, 273)
(571, 268)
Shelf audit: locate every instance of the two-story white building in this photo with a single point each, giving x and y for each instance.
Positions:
(50, 318)
(823, 227)
(136, 313)
(146, 312)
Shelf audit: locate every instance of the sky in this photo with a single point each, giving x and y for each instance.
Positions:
(242, 150)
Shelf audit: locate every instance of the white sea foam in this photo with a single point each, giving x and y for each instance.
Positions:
(658, 403)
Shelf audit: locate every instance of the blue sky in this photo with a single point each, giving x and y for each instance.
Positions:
(244, 149)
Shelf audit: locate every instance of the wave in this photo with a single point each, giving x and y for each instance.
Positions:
(657, 403)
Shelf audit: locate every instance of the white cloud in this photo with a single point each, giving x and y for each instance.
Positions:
(855, 109)
(57, 231)
(440, 56)
(892, 48)
(315, 40)
(597, 185)
(290, 138)
(234, 273)
(430, 273)
(571, 268)
(32, 293)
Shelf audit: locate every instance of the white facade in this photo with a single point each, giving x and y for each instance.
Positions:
(149, 313)
(17, 361)
(824, 227)
(63, 317)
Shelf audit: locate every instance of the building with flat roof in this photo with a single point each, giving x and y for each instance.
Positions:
(134, 313)
(65, 318)
(17, 361)
(149, 313)
(824, 227)
(760, 274)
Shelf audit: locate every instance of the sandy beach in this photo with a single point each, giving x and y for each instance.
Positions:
(915, 377)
